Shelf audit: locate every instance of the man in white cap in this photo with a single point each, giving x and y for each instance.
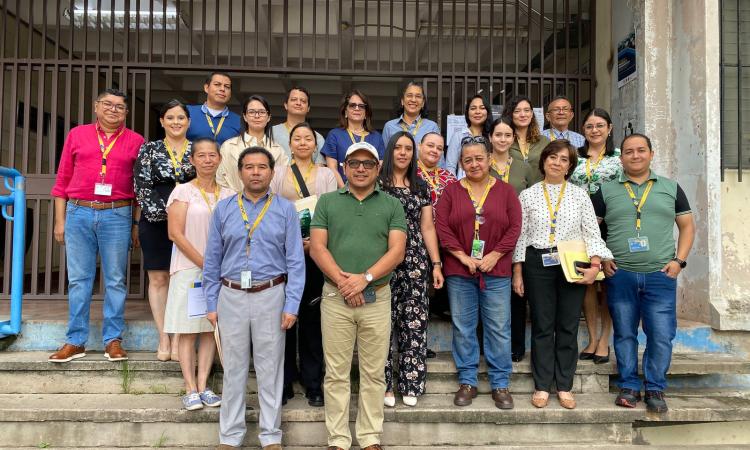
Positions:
(358, 236)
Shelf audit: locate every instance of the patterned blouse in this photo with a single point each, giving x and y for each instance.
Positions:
(437, 181)
(154, 178)
(608, 169)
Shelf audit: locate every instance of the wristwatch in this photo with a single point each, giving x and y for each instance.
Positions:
(437, 264)
(368, 277)
(679, 261)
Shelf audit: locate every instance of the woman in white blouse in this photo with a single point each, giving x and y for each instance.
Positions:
(554, 211)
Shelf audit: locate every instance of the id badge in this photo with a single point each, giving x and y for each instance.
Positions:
(246, 279)
(550, 259)
(103, 189)
(477, 249)
(638, 244)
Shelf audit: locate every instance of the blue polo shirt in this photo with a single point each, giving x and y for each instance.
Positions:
(200, 128)
(338, 141)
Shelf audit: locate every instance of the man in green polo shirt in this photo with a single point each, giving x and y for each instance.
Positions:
(640, 210)
(357, 238)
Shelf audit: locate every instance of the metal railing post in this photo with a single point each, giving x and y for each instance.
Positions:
(17, 199)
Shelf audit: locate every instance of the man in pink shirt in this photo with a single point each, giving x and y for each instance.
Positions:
(94, 215)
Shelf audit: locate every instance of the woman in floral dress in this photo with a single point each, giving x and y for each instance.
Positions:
(409, 303)
(598, 163)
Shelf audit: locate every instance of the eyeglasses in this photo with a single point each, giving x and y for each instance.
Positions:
(119, 107)
(469, 140)
(598, 126)
(256, 112)
(362, 106)
(355, 163)
(563, 109)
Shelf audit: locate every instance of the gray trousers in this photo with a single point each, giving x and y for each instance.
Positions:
(256, 318)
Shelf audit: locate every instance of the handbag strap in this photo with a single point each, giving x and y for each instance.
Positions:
(300, 181)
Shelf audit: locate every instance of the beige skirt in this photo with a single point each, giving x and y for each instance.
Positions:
(176, 318)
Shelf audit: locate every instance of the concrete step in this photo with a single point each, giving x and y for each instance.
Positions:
(441, 447)
(30, 372)
(126, 420)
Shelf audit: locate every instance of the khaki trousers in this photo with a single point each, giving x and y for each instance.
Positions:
(370, 327)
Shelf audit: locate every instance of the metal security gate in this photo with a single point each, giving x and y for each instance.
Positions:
(56, 55)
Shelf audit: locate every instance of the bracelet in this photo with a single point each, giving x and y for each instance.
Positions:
(437, 263)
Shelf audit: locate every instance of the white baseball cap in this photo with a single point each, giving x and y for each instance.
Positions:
(362, 146)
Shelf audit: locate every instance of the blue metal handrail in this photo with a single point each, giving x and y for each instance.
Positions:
(17, 199)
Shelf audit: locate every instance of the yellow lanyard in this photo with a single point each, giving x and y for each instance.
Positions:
(211, 124)
(505, 174)
(176, 161)
(591, 168)
(405, 127)
(105, 151)
(251, 229)
(432, 178)
(305, 177)
(524, 148)
(478, 210)
(552, 136)
(638, 203)
(351, 136)
(205, 197)
(553, 212)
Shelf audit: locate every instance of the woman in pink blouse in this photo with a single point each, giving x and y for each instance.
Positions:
(189, 208)
(478, 223)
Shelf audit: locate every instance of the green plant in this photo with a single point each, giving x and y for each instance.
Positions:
(162, 440)
(127, 375)
(158, 389)
(43, 445)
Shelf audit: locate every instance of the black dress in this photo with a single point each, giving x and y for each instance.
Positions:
(409, 301)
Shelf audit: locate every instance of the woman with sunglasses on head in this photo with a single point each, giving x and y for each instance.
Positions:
(159, 167)
(518, 174)
(529, 141)
(478, 222)
(355, 125)
(598, 163)
(300, 180)
(478, 115)
(555, 211)
(256, 131)
(409, 303)
(412, 115)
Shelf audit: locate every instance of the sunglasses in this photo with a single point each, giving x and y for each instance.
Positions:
(469, 140)
(362, 106)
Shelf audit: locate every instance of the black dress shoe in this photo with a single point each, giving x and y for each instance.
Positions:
(315, 399)
(431, 354)
(585, 356)
(601, 359)
(517, 357)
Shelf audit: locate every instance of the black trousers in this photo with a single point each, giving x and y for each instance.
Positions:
(307, 333)
(517, 324)
(555, 314)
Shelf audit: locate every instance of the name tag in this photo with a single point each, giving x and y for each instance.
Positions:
(638, 244)
(103, 189)
(477, 249)
(550, 259)
(246, 279)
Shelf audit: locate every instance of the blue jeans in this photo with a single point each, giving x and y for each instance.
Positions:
(649, 298)
(89, 232)
(468, 303)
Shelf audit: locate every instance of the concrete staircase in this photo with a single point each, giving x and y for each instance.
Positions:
(92, 403)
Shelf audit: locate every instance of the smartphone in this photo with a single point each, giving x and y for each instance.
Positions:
(369, 294)
(581, 265)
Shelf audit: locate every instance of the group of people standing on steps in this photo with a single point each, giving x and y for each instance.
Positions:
(305, 247)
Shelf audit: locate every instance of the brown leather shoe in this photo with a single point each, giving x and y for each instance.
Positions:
(566, 399)
(272, 447)
(114, 351)
(540, 399)
(373, 447)
(67, 352)
(502, 398)
(464, 394)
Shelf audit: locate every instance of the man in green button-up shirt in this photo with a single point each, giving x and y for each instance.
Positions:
(640, 210)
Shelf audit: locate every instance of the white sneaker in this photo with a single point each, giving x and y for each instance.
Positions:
(409, 400)
(389, 401)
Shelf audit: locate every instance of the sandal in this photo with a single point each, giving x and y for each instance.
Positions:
(540, 399)
(566, 399)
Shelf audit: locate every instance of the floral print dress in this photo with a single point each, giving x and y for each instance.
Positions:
(409, 302)
(608, 169)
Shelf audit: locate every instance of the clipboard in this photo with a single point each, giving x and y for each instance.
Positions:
(570, 252)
